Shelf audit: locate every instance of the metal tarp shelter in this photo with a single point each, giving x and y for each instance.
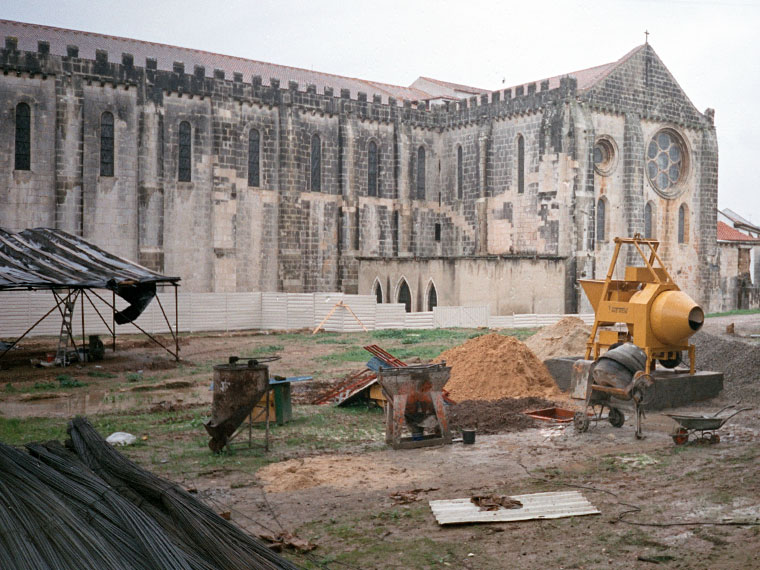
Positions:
(71, 267)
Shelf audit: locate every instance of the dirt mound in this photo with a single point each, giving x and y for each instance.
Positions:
(739, 361)
(494, 366)
(567, 337)
(499, 416)
(337, 471)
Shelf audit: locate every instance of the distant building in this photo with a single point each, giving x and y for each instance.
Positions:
(739, 244)
(239, 175)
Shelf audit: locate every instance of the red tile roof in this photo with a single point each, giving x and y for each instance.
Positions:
(727, 233)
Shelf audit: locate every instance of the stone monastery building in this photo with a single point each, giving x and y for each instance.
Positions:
(238, 175)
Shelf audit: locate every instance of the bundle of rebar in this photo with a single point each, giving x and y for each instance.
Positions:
(94, 508)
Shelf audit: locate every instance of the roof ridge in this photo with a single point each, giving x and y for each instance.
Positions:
(199, 51)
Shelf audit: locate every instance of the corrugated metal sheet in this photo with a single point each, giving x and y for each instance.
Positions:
(475, 317)
(390, 316)
(501, 322)
(535, 506)
(300, 311)
(447, 317)
(365, 309)
(274, 311)
(418, 320)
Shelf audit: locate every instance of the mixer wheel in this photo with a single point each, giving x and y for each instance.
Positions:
(680, 436)
(616, 418)
(581, 422)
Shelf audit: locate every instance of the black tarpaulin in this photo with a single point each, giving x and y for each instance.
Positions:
(43, 258)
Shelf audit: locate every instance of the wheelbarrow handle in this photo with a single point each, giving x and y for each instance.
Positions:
(715, 415)
(732, 415)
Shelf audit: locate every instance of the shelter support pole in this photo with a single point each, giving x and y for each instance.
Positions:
(30, 329)
(84, 337)
(176, 319)
(142, 330)
(113, 320)
(166, 319)
(110, 330)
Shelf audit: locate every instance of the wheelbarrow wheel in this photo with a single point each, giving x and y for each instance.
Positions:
(581, 422)
(616, 418)
(714, 438)
(680, 436)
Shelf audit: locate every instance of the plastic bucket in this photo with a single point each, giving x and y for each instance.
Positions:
(468, 436)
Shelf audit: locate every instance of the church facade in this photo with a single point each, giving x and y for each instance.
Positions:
(238, 175)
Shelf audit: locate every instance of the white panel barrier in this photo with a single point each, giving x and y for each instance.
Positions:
(244, 311)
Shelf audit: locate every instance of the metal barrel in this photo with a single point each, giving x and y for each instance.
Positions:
(238, 386)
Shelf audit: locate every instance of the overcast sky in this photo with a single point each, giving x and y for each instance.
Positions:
(712, 47)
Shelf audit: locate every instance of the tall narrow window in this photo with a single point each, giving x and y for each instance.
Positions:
(520, 164)
(432, 298)
(106, 144)
(253, 158)
(372, 169)
(395, 230)
(648, 220)
(184, 173)
(23, 137)
(316, 164)
(421, 173)
(601, 214)
(378, 292)
(405, 296)
(460, 174)
(437, 231)
(683, 224)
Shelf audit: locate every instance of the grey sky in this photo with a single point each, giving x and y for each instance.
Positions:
(711, 47)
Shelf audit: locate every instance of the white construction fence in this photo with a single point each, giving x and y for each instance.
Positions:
(197, 312)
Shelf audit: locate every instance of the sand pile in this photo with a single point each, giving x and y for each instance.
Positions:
(494, 366)
(565, 338)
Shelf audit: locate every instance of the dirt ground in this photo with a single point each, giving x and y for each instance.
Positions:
(331, 480)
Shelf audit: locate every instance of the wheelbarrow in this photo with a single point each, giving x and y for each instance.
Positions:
(704, 425)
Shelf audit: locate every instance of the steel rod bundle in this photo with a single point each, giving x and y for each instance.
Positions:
(93, 508)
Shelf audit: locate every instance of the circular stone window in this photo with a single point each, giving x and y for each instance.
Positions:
(605, 156)
(666, 162)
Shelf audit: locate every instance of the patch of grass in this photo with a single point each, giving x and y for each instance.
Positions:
(101, 374)
(66, 381)
(134, 376)
(422, 352)
(265, 350)
(10, 388)
(352, 354)
(734, 312)
(333, 341)
(44, 386)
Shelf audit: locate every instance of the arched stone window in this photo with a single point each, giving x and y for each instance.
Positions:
(372, 169)
(395, 230)
(432, 297)
(649, 220)
(23, 137)
(460, 173)
(405, 295)
(601, 220)
(316, 164)
(421, 173)
(254, 153)
(378, 291)
(683, 224)
(184, 173)
(520, 164)
(106, 144)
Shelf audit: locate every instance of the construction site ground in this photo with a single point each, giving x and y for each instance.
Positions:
(330, 479)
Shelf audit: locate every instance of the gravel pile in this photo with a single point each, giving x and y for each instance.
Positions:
(739, 361)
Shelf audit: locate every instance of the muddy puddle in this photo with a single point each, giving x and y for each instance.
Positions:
(65, 405)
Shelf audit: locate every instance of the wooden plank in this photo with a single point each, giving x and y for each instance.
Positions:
(552, 505)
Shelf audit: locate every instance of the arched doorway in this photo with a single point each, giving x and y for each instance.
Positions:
(432, 297)
(405, 296)
(378, 291)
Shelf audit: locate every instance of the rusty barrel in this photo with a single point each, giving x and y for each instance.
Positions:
(238, 386)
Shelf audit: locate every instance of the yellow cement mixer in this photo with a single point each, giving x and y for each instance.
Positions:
(659, 317)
